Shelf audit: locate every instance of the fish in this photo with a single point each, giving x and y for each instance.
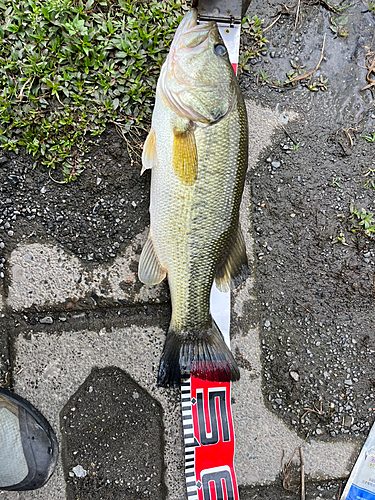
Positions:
(197, 150)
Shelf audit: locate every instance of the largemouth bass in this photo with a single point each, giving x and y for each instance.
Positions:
(197, 149)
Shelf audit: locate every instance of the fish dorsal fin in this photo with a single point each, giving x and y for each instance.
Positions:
(185, 157)
(234, 263)
(149, 156)
(150, 270)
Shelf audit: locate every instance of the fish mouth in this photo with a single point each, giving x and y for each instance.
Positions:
(190, 34)
(189, 21)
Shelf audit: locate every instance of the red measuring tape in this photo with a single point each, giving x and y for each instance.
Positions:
(209, 440)
(206, 406)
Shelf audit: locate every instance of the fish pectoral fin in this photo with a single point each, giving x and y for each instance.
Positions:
(150, 271)
(235, 263)
(149, 156)
(185, 156)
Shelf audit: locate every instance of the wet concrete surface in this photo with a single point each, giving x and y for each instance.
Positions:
(73, 315)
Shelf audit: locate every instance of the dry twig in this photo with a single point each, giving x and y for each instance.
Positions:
(54, 180)
(339, 495)
(303, 495)
(348, 136)
(272, 24)
(297, 15)
(5, 380)
(305, 75)
(370, 66)
(286, 470)
(347, 133)
(287, 133)
(133, 146)
(308, 310)
(318, 411)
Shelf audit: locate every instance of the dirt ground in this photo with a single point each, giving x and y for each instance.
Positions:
(314, 276)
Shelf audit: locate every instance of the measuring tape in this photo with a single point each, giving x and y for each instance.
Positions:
(231, 38)
(209, 440)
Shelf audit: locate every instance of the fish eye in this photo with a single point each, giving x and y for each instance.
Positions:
(220, 49)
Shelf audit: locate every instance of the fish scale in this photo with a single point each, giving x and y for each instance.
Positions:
(191, 225)
(194, 208)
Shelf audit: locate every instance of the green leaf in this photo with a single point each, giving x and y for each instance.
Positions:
(69, 62)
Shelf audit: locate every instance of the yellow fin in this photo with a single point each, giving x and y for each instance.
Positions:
(150, 270)
(185, 157)
(149, 156)
(234, 264)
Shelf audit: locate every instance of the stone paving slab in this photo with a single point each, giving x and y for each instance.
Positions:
(50, 368)
(47, 275)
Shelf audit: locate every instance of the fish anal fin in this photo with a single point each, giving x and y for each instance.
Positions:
(234, 263)
(185, 156)
(149, 156)
(150, 271)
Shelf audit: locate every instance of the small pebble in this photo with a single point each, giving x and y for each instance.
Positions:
(79, 471)
(294, 375)
(47, 320)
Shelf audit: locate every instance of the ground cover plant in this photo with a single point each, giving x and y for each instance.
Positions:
(67, 68)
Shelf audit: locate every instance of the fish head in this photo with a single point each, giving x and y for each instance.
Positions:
(197, 79)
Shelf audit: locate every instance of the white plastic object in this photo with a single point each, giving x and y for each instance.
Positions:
(361, 482)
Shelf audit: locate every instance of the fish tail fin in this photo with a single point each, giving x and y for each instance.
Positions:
(204, 355)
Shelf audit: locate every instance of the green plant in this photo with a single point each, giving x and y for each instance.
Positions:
(290, 75)
(370, 183)
(361, 221)
(338, 26)
(294, 73)
(68, 67)
(338, 9)
(335, 183)
(295, 146)
(369, 138)
(252, 31)
(264, 77)
(340, 239)
(320, 84)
